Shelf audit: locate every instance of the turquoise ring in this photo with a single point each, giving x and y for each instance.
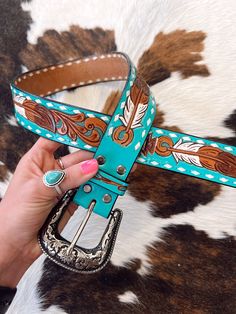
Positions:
(53, 178)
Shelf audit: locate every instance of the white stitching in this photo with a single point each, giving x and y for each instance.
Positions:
(84, 83)
(69, 63)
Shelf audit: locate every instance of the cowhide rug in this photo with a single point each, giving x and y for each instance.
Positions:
(176, 248)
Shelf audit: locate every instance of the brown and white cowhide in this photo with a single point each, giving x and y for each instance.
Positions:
(176, 251)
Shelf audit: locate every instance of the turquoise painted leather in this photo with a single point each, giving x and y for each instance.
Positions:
(122, 139)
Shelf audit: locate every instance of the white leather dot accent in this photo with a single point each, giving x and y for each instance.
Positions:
(104, 118)
(116, 117)
(62, 107)
(110, 131)
(38, 101)
(186, 138)
(87, 146)
(196, 173)
(122, 105)
(200, 141)
(137, 146)
(152, 111)
(149, 121)
(29, 127)
(76, 111)
(143, 133)
(38, 131)
(181, 169)
(228, 148)
(223, 179)
(159, 131)
(168, 166)
(90, 115)
(214, 145)
(141, 159)
(61, 139)
(209, 176)
(73, 143)
(48, 135)
(49, 104)
(154, 163)
(172, 135)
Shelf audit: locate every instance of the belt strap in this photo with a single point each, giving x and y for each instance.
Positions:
(118, 140)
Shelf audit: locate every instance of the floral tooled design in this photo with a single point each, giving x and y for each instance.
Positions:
(197, 154)
(90, 130)
(134, 110)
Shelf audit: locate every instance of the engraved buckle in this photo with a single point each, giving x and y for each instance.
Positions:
(68, 254)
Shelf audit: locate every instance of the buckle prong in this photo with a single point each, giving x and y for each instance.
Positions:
(81, 227)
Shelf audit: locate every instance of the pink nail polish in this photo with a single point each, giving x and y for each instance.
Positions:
(89, 166)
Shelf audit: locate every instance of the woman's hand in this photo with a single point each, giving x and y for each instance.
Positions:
(28, 201)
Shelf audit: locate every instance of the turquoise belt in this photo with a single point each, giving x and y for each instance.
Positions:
(118, 141)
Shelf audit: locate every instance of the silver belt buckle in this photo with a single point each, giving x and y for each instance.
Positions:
(68, 254)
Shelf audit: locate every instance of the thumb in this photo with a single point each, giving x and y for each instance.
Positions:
(79, 174)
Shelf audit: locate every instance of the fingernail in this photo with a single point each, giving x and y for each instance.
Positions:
(89, 166)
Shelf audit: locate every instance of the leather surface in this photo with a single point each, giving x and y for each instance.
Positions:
(123, 138)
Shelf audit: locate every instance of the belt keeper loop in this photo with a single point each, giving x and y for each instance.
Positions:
(110, 182)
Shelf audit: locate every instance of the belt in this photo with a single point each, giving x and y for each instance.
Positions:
(118, 141)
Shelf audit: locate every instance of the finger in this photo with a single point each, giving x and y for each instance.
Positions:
(79, 174)
(74, 158)
(47, 145)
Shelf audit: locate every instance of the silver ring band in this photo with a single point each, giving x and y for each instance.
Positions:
(58, 189)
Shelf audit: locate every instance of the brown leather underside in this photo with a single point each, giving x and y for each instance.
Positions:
(42, 82)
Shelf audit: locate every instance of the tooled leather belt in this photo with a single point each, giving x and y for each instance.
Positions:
(118, 141)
